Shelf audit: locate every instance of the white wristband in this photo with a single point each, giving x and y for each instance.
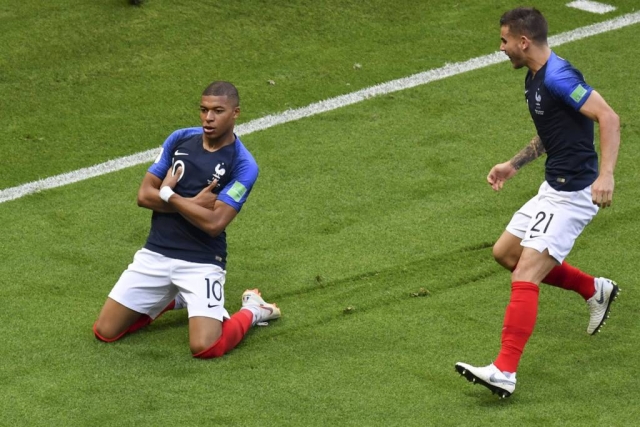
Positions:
(166, 192)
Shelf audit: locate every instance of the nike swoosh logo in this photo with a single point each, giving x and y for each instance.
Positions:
(178, 153)
(495, 380)
(601, 299)
(215, 305)
(267, 308)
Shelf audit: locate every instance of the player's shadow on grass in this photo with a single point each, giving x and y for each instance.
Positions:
(484, 398)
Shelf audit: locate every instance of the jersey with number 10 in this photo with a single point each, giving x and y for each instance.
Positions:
(236, 171)
(554, 96)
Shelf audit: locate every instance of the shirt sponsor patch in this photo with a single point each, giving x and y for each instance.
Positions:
(578, 93)
(237, 191)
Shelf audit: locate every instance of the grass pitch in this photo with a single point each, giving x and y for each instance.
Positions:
(355, 212)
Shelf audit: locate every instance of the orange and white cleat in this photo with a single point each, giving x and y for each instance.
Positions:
(263, 311)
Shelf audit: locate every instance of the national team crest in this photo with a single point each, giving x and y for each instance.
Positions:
(219, 172)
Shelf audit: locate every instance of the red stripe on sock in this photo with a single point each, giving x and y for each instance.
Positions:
(103, 339)
(566, 276)
(519, 321)
(233, 330)
(140, 323)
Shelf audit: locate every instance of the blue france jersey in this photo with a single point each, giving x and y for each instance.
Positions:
(554, 96)
(236, 171)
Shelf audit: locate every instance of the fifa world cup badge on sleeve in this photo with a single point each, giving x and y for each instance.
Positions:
(237, 191)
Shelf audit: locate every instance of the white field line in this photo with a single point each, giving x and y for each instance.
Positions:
(266, 122)
(591, 6)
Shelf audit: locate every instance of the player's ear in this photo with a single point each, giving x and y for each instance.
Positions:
(524, 42)
(236, 112)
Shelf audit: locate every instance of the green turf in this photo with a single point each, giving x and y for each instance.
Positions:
(355, 210)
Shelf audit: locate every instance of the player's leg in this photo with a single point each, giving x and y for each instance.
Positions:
(507, 250)
(522, 310)
(605, 291)
(204, 333)
(573, 211)
(114, 321)
(548, 239)
(201, 289)
(142, 294)
(210, 338)
(212, 332)
(519, 322)
(566, 276)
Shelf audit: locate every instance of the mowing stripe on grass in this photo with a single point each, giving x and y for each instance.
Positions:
(266, 122)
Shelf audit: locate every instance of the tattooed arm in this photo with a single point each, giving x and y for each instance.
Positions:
(500, 173)
(531, 152)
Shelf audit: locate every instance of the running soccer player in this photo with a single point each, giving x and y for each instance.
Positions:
(195, 188)
(542, 233)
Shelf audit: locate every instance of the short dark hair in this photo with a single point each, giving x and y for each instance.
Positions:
(526, 21)
(221, 88)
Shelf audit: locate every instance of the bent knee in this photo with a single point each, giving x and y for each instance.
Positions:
(209, 353)
(506, 258)
(200, 346)
(206, 347)
(105, 334)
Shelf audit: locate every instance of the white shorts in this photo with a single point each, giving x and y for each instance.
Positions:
(152, 281)
(553, 220)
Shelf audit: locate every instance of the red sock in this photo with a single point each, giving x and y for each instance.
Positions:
(568, 277)
(233, 330)
(103, 339)
(140, 323)
(519, 321)
(145, 320)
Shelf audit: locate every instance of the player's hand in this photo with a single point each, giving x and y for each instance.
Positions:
(171, 179)
(602, 190)
(499, 174)
(206, 198)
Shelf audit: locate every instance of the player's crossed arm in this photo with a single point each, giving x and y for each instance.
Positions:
(211, 221)
(148, 195)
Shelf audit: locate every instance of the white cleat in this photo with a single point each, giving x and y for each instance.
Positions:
(501, 383)
(600, 303)
(251, 298)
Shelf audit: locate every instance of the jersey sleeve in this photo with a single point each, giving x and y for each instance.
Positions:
(162, 163)
(235, 193)
(568, 85)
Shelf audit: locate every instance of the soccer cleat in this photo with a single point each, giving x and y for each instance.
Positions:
(265, 311)
(600, 303)
(501, 383)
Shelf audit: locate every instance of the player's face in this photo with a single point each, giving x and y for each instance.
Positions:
(218, 116)
(512, 46)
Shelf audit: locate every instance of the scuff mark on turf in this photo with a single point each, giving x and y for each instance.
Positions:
(478, 247)
(319, 282)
